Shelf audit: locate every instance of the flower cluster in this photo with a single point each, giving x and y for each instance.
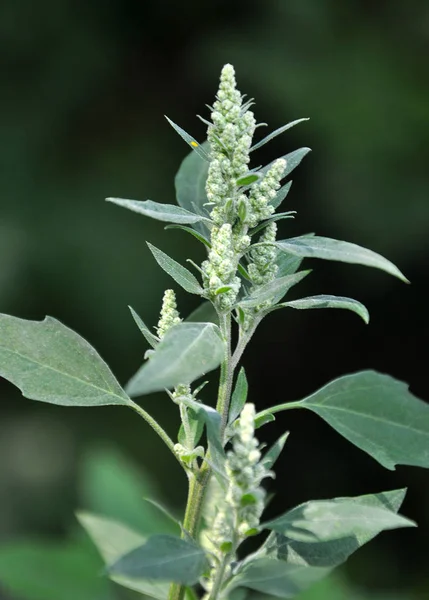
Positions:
(169, 315)
(263, 192)
(238, 512)
(262, 267)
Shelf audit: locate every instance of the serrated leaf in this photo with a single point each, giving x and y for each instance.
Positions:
(275, 133)
(180, 274)
(113, 540)
(239, 396)
(275, 577)
(187, 351)
(51, 363)
(150, 337)
(378, 415)
(196, 146)
(199, 236)
(328, 520)
(281, 194)
(326, 301)
(313, 246)
(333, 552)
(161, 212)
(273, 453)
(292, 161)
(163, 558)
(272, 291)
(190, 183)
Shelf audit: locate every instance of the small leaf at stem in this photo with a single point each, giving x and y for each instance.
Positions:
(239, 396)
(196, 146)
(150, 337)
(326, 301)
(275, 133)
(272, 291)
(273, 453)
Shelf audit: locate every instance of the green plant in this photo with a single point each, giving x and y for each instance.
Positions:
(232, 211)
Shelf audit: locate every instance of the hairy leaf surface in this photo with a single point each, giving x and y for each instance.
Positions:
(161, 212)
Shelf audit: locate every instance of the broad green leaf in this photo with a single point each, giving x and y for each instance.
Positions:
(281, 194)
(273, 453)
(239, 396)
(313, 246)
(248, 179)
(275, 577)
(214, 435)
(333, 552)
(287, 264)
(199, 236)
(278, 217)
(292, 161)
(187, 351)
(161, 212)
(329, 520)
(272, 291)
(150, 337)
(40, 570)
(164, 558)
(112, 486)
(180, 274)
(378, 414)
(113, 540)
(51, 363)
(324, 301)
(275, 133)
(204, 313)
(190, 185)
(190, 140)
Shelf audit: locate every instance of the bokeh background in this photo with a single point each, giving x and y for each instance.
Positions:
(84, 87)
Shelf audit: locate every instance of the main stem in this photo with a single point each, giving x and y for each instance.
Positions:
(198, 482)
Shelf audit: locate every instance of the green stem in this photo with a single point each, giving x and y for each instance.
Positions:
(218, 582)
(198, 482)
(279, 408)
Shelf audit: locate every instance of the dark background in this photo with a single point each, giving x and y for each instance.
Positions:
(84, 89)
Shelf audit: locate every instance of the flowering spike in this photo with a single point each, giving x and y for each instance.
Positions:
(169, 315)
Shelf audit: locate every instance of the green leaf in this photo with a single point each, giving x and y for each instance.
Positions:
(287, 264)
(199, 236)
(51, 363)
(248, 179)
(187, 351)
(180, 274)
(196, 147)
(328, 520)
(164, 558)
(112, 486)
(36, 570)
(324, 301)
(190, 185)
(331, 552)
(150, 337)
(272, 291)
(161, 212)
(196, 426)
(263, 419)
(312, 246)
(239, 396)
(378, 415)
(275, 133)
(213, 423)
(113, 540)
(273, 453)
(273, 219)
(292, 161)
(275, 577)
(204, 313)
(281, 194)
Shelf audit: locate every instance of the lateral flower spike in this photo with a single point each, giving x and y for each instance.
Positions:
(263, 192)
(169, 315)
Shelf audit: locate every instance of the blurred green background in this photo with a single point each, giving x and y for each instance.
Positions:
(84, 87)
